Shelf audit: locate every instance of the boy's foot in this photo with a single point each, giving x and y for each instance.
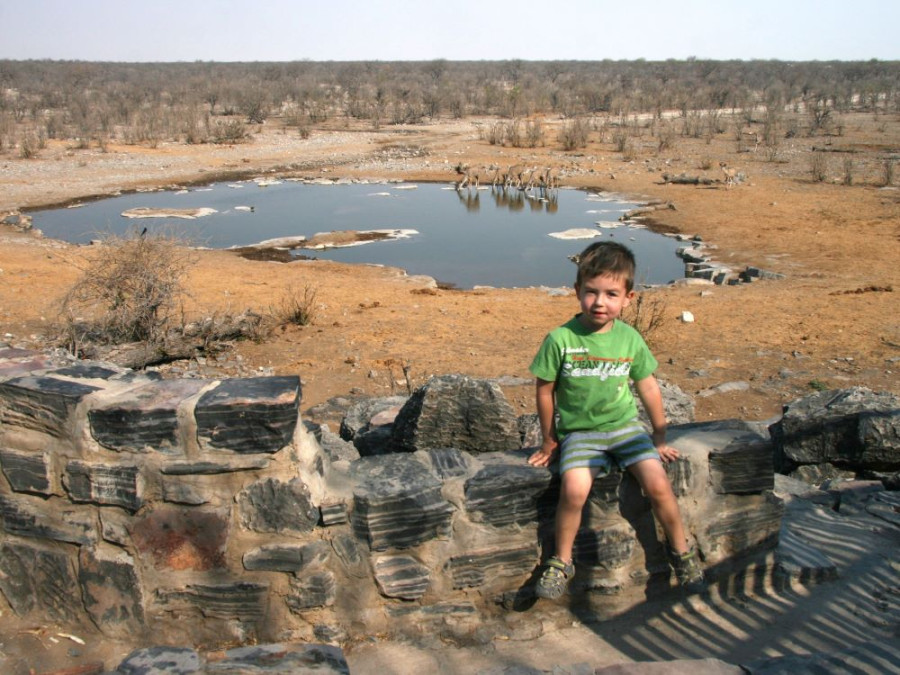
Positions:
(687, 570)
(554, 579)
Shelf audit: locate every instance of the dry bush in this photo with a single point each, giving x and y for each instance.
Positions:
(129, 292)
(230, 130)
(647, 314)
(296, 308)
(818, 166)
(574, 134)
(887, 172)
(534, 133)
(848, 171)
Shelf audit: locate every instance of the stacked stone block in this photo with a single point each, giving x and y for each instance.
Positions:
(205, 511)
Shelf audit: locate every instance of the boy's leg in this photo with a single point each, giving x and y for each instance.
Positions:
(574, 489)
(652, 477)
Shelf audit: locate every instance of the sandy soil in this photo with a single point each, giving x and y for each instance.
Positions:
(832, 322)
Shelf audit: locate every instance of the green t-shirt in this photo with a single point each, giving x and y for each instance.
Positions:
(592, 372)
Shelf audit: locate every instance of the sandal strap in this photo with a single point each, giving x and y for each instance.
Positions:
(557, 565)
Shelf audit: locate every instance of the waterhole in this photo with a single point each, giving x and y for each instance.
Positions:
(465, 238)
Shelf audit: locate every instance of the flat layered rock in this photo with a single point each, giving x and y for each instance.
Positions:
(249, 415)
(41, 403)
(143, 419)
(398, 503)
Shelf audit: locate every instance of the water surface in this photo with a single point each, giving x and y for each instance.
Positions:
(467, 238)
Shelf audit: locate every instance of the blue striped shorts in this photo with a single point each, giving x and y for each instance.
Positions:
(597, 450)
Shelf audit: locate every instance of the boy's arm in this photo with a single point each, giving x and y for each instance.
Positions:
(544, 399)
(650, 395)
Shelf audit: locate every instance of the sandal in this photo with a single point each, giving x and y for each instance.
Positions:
(554, 579)
(687, 570)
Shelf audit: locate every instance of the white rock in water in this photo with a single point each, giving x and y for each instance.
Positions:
(243, 208)
(576, 233)
(687, 317)
(146, 212)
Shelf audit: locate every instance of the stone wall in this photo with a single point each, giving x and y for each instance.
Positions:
(207, 511)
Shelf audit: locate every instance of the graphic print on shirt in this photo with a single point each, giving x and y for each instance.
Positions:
(579, 363)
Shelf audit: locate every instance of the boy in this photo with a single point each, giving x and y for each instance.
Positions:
(587, 412)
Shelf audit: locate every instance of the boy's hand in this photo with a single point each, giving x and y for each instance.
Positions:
(544, 456)
(667, 453)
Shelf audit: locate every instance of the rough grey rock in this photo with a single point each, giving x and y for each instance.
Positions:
(111, 485)
(398, 502)
(272, 505)
(257, 414)
(678, 405)
(479, 567)
(110, 590)
(143, 419)
(28, 472)
(816, 474)
(333, 446)
(41, 403)
(508, 491)
(845, 426)
(279, 659)
(359, 415)
(401, 576)
(455, 411)
(287, 557)
(796, 559)
(310, 591)
(236, 601)
(38, 577)
(160, 661)
(744, 466)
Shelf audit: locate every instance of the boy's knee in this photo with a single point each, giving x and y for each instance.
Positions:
(658, 489)
(574, 492)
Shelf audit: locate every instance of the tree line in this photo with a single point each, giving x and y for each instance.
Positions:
(98, 102)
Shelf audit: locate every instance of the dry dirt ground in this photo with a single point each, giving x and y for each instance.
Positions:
(832, 322)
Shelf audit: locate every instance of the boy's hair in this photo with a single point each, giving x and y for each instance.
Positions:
(606, 257)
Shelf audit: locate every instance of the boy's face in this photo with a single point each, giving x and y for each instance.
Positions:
(602, 300)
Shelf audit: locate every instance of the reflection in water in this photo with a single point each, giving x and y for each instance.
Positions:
(470, 200)
(512, 198)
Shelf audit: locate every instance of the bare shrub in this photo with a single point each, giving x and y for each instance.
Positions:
(848, 171)
(647, 314)
(496, 133)
(296, 308)
(818, 166)
(665, 138)
(574, 134)
(28, 146)
(534, 133)
(230, 130)
(887, 172)
(128, 292)
(514, 134)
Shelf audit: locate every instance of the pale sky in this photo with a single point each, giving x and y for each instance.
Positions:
(392, 30)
